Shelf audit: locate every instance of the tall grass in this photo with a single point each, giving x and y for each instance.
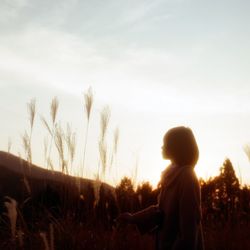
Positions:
(52, 240)
(135, 172)
(59, 142)
(116, 136)
(27, 136)
(54, 105)
(247, 151)
(26, 146)
(104, 121)
(60, 139)
(9, 145)
(11, 206)
(64, 141)
(45, 240)
(45, 151)
(70, 138)
(88, 103)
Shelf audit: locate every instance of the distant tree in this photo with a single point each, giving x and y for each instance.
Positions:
(227, 174)
(207, 193)
(221, 196)
(245, 199)
(126, 195)
(227, 190)
(145, 195)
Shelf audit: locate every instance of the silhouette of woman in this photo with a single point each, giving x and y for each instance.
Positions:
(176, 217)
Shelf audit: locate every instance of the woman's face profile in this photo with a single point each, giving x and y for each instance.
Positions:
(164, 149)
(179, 146)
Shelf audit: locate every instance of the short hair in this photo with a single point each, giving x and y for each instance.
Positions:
(181, 146)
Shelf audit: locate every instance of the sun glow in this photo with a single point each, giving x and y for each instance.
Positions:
(152, 80)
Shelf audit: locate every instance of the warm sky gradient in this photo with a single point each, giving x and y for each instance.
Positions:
(157, 64)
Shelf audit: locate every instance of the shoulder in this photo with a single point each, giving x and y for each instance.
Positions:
(188, 177)
(188, 172)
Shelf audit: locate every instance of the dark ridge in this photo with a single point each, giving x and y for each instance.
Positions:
(38, 191)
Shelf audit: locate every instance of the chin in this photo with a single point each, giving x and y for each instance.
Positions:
(164, 156)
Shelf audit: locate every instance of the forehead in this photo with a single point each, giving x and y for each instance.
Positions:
(175, 134)
(166, 138)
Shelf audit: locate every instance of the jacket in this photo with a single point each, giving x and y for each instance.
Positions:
(176, 217)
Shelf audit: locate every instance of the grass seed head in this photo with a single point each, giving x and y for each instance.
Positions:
(31, 106)
(105, 117)
(53, 109)
(88, 101)
(26, 146)
(247, 151)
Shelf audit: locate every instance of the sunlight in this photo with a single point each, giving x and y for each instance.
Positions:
(152, 66)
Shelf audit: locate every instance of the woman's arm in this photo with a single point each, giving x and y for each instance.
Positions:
(146, 220)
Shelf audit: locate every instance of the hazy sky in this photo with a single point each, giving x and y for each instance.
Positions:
(157, 64)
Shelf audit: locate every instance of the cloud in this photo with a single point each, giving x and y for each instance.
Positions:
(49, 56)
(151, 78)
(71, 52)
(10, 10)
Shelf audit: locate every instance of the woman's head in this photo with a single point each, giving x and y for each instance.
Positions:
(179, 146)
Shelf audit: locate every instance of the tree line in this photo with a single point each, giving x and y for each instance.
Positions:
(224, 200)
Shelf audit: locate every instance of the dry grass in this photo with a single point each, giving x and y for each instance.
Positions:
(27, 137)
(68, 233)
(135, 172)
(54, 105)
(70, 138)
(54, 109)
(227, 237)
(88, 103)
(9, 145)
(45, 149)
(59, 142)
(116, 136)
(103, 158)
(26, 146)
(31, 107)
(247, 151)
(104, 121)
(11, 206)
(45, 240)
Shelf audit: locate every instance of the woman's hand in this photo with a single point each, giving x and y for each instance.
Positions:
(125, 218)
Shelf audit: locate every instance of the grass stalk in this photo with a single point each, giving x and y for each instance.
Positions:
(59, 142)
(104, 121)
(27, 136)
(51, 129)
(88, 104)
(45, 240)
(246, 149)
(31, 106)
(70, 139)
(11, 205)
(116, 136)
(9, 144)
